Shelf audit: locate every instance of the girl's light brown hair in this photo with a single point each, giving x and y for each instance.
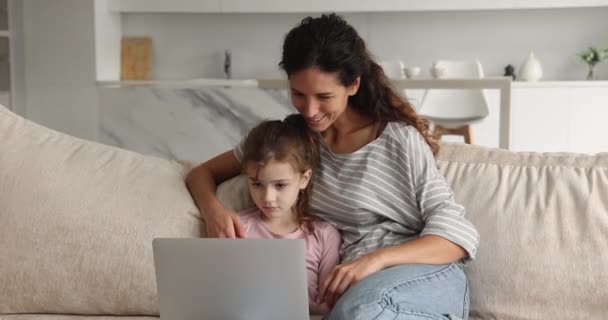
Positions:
(289, 140)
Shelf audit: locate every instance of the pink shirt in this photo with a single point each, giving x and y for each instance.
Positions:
(321, 251)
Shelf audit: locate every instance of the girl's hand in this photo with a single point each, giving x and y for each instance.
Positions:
(224, 223)
(345, 275)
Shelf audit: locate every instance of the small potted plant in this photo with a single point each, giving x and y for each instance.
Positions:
(592, 56)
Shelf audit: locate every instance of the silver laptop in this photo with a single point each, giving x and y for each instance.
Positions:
(231, 279)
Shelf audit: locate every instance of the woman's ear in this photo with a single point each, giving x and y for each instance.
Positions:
(354, 88)
(305, 179)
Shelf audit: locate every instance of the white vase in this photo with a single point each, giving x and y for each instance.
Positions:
(531, 70)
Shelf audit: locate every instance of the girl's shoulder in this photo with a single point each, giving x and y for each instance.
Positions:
(324, 229)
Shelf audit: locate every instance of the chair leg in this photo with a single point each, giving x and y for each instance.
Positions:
(464, 131)
(468, 138)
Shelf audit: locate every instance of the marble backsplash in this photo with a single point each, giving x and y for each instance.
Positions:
(196, 124)
(192, 124)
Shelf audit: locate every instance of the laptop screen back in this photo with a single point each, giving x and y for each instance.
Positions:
(231, 279)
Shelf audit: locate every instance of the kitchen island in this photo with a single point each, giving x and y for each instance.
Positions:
(195, 120)
(184, 123)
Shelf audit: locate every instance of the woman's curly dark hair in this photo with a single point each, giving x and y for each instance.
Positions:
(332, 45)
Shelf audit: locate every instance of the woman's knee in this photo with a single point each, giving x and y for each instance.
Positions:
(383, 311)
(402, 294)
(348, 310)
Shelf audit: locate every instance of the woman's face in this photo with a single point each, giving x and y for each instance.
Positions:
(319, 96)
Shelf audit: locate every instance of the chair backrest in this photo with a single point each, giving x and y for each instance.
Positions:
(393, 69)
(455, 104)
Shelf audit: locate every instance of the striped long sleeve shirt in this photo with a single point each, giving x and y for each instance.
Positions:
(386, 193)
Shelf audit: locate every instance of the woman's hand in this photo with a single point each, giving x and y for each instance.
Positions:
(224, 223)
(345, 275)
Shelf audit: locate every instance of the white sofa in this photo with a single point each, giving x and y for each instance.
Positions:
(77, 221)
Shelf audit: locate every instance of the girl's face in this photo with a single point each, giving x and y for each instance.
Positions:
(319, 96)
(275, 186)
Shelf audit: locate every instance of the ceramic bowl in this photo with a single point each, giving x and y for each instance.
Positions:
(411, 72)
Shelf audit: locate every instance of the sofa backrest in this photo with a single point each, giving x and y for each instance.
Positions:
(77, 221)
(543, 221)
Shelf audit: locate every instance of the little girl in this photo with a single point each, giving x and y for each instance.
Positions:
(278, 158)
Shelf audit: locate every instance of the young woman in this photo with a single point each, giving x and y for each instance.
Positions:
(278, 158)
(405, 240)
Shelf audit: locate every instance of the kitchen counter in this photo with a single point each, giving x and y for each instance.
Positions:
(199, 83)
(192, 83)
(197, 119)
(560, 84)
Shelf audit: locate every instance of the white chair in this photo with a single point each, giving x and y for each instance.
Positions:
(452, 111)
(393, 69)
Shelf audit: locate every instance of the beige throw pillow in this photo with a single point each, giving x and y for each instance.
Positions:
(77, 220)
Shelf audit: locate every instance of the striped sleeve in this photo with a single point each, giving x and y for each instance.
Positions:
(442, 215)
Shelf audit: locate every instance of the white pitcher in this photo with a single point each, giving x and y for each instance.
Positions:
(531, 70)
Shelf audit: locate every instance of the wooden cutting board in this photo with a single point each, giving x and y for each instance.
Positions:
(135, 58)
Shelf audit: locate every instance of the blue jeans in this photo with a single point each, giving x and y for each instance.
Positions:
(411, 291)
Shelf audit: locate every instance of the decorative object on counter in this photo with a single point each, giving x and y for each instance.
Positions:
(531, 70)
(228, 64)
(510, 72)
(411, 72)
(135, 58)
(393, 69)
(437, 71)
(592, 56)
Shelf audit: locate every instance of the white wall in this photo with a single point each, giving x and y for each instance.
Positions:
(192, 45)
(17, 66)
(58, 83)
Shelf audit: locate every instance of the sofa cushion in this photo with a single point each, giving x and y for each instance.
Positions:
(77, 221)
(543, 221)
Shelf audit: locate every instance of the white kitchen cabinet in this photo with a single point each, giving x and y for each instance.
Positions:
(291, 6)
(589, 118)
(540, 119)
(184, 6)
(561, 118)
(360, 5)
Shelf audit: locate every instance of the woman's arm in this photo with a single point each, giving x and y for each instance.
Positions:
(445, 225)
(202, 182)
(429, 249)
